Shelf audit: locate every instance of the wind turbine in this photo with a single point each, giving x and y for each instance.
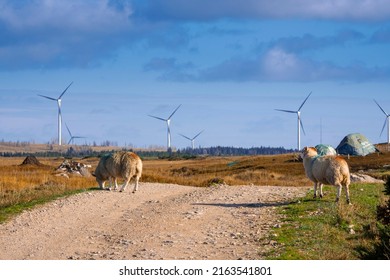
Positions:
(71, 136)
(59, 111)
(300, 125)
(386, 120)
(192, 139)
(168, 121)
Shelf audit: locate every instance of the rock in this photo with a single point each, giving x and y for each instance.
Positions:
(73, 168)
(363, 178)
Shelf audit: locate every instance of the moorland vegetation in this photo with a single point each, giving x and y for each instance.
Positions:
(341, 232)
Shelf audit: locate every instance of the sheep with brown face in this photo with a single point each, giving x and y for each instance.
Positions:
(329, 170)
(126, 165)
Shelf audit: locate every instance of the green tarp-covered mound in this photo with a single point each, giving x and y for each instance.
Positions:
(325, 150)
(355, 144)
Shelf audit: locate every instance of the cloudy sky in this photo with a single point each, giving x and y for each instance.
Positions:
(229, 63)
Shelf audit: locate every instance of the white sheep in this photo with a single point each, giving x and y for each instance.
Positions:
(330, 170)
(121, 164)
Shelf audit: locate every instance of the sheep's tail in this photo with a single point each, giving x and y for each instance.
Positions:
(346, 180)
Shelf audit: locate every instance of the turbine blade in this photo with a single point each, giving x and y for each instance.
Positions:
(161, 119)
(303, 130)
(383, 128)
(384, 112)
(287, 111)
(185, 137)
(48, 97)
(65, 90)
(68, 130)
(303, 103)
(174, 112)
(197, 135)
(75, 137)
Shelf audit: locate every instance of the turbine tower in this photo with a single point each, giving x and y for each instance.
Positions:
(58, 100)
(300, 125)
(168, 121)
(386, 120)
(192, 139)
(71, 136)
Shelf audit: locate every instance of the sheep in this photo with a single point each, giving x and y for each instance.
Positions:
(121, 164)
(331, 170)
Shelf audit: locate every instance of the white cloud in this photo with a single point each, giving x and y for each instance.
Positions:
(49, 33)
(275, 65)
(43, 34)
(280, 65)
(64, 15)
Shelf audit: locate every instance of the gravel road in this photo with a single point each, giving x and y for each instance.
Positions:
(160, 221)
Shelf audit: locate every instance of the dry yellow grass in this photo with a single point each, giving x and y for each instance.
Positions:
(278, 170)
(20, 184)
(26, 183)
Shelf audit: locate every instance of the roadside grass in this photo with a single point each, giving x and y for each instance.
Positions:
(315, 229)
(14, 209)
(22, 187)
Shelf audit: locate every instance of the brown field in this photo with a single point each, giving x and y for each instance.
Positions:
(23, 184)
(279, 170)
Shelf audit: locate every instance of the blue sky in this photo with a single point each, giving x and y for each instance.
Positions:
(229, 63)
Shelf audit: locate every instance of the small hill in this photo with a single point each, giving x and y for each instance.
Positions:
(31, 160)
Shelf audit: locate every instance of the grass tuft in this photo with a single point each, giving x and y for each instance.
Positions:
(315, 229)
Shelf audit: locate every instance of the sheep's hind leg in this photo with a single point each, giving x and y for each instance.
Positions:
(125, 185)
(315, 190)
(136, 184)
(339, 187)
(347, 193)
(321, 193)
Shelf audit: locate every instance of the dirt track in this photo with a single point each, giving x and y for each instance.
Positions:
(160, 221)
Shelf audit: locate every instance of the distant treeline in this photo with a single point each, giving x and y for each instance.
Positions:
(234, 151)
(85, 152)
(181, 153)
